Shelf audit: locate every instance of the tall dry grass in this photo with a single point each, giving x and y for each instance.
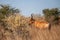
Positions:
(16, 27)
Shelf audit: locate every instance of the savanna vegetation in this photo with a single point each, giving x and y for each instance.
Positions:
(15, 26)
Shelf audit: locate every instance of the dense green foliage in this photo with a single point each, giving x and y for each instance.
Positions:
(51, 15)
(6, 10)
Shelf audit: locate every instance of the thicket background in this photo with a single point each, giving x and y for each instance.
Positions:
(15, 26)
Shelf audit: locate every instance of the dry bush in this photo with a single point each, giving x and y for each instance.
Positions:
(14, 20)
(17, 26)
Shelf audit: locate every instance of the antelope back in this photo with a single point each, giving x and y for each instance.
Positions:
(41, 24)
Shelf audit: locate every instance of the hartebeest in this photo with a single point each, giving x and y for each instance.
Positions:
(40, 24)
